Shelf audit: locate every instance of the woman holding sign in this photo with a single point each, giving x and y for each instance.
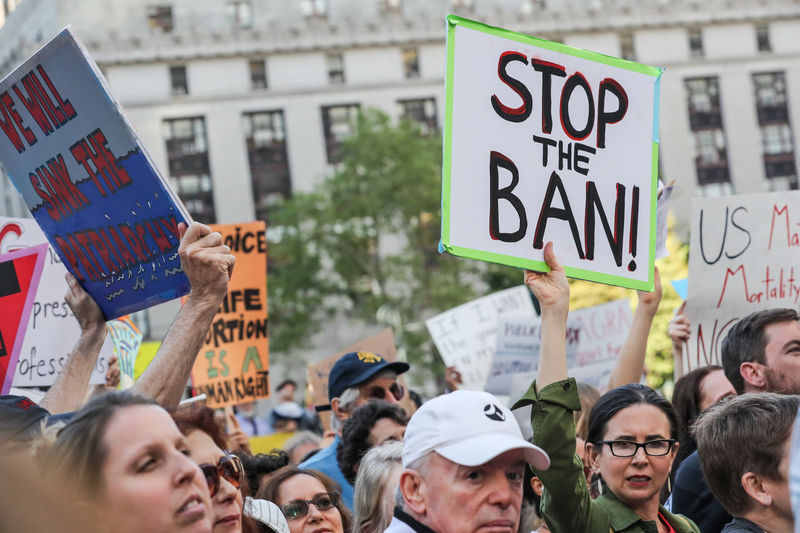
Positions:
(631, 442)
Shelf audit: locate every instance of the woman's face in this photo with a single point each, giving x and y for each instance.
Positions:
(714, 387)
(149, 484)
(227, 502)
(635, 480)
(303, 487)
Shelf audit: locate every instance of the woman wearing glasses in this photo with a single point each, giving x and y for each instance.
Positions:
(223, 472)
(631, 442)
(309, 500)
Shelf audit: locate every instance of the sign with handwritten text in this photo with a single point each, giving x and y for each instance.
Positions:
(466, 335)
(88, 181)
(52, 329)
(545, 142)
(743, 257)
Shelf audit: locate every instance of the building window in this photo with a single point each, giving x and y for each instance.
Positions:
(777, 142)
(705, 120)
(337, 124)
(258, 74)
(762, 38)
(421, 111)
(626, 46)
(265, 135)
(335, 64)
(411, 63)
(189, 172)
(240, 13)
(178, 80)
(696, 42)
(315, 8)
(160, 17)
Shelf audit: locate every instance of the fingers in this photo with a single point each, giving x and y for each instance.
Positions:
(194, 233)
(679, 310)
(181, 230)
(551, 259)
(234, 422)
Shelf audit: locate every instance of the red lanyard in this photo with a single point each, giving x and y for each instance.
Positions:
(664, 521)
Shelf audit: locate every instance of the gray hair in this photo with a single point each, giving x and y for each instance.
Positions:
(301, 438)
(373, 474)
(349, 397)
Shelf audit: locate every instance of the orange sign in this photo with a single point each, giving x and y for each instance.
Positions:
(233, 364)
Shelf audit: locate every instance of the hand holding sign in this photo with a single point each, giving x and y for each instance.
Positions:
(86, 311)
(550, 288)
(206, 260)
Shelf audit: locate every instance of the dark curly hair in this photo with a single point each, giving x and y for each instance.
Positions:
(355, 433)
(260, 465)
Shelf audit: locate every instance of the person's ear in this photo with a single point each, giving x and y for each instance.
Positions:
(593, 455)
(338, 412)
(753, 374)
(413, 488)
(754, 487)
(537, 486)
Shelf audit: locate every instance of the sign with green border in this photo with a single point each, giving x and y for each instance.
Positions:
(546, 142)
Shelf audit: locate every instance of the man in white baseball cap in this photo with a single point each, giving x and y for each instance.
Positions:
(463, 466)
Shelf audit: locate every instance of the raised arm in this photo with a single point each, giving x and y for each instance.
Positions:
(680, 328)
(630, 363)
(208, 264)
(70, 387)
(552, 291)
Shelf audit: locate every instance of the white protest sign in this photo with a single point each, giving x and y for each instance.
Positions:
(52, 329)
(743, 257)
(545, 142)
(595, 336)
(466, 335)
(662, 213)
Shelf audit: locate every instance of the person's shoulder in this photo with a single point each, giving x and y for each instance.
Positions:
(741, 525)
(321, 458)
(690, 468)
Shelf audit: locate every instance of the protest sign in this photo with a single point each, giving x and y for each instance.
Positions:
(662, 215)
(742, 258)
(545, 142)
(88, 181)
(466, 335)
(595, 336)
(127, 339)
(19, 277)
(52, 330)
(233, 364)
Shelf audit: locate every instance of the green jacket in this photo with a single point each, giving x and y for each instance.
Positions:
(566, 504)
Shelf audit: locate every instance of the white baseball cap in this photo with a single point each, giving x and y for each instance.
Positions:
(469, 428)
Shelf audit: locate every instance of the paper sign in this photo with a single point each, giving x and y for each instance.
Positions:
(466, 335)
(595, 336)
(88, 181)
(127, 339)
(545, 142)
(662, 210)
(743, 257)
(233, 364)
(19, 277)
(52, 330)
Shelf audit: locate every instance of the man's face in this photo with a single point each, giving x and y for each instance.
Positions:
(782, 355)
(383, 388)
(469, 499)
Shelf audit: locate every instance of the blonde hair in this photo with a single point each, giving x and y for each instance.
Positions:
(374, 472)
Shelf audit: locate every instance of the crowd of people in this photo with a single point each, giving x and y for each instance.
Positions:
(714, 458)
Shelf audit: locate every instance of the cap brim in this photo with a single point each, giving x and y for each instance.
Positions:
(483, 448)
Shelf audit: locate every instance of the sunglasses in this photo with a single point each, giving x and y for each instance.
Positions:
(299, 508)
(379, 393)
(229, 467)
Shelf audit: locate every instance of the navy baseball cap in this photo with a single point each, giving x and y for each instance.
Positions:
(355, 368)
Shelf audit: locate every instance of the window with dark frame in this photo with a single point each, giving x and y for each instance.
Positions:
(189, 171)
(762, 38)
(337, 125)
(335, 64)
(258, 73)
(421, 111)
(705, 120)
(696, 42)
(265, 136)
(240, 13)
(777, 141)
(159, 17)
(411, 63)
(178, 80)
(315, 8)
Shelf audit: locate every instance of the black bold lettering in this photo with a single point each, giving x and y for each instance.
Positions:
(497, 160)
(512, 114)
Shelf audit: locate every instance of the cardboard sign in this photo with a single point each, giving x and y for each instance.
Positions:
(88, 181)
(52, 330)
(19, 277)
(743, 257)
(127, 339)
(466, 335)
(595, 336)
(233, 364)
(545, 142)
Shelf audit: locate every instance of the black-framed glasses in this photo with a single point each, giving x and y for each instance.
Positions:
(299, 508)
(229, 467)
(379, 393)
(628, 448)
